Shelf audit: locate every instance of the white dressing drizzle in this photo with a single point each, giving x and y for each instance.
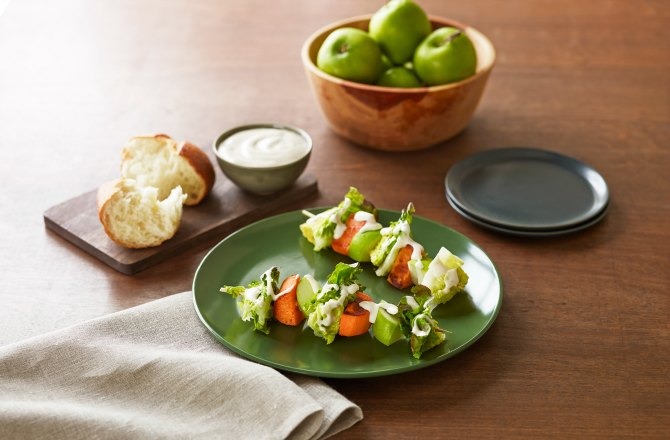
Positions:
(332, 304)
(402, 230)
(253, 294)
(371, 223)
(268, 282)
(327, 308)
(416, 270)
(373, 308)
(281, 293)
(412, 302)
(336, 218)
(392, 309)
(312, 282)
(420, 331)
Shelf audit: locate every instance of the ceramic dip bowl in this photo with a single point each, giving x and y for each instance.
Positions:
(263, 158)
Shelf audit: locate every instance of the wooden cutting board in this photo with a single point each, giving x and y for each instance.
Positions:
(225, 209)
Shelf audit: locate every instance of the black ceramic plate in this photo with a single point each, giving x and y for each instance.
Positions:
(527, 189)
(527, 232)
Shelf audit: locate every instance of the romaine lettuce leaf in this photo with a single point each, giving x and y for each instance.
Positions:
(445, 276)
(394, 237)
(417, 323)
(324, 313)
(255, 300)
(320, 229)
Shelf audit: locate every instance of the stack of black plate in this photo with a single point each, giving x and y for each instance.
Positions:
(527, 192)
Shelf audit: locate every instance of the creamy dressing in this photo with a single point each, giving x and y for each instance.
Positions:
(412, 302)
(437, 270)
(281, 293)
(416, 271)
(371, 223)
(373, 308)
(314, 284)
(268, 282)
(325, 289)
(402, 230)
(420, 331)
(336, 218)
(253, 295)
(263, 147)
(331, 305)
(327, 309)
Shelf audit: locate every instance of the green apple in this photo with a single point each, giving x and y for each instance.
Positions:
(386, 328)
(306, 291)
(362, 244)
(399, 77)
(399, 26)
(386, 63)
(351, 54)
(446, 55)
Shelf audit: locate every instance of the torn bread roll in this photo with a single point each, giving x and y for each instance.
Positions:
(134, 216)
(165, 163)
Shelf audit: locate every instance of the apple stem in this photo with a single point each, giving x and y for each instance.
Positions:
(344, 48)
(451, 37)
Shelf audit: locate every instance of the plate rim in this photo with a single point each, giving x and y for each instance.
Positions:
(343, 374)
(578, 167)
(531, 233)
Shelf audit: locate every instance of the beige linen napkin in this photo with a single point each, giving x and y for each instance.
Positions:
(154, 371)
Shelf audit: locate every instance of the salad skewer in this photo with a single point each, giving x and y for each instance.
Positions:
(351, 228)
(340, 306)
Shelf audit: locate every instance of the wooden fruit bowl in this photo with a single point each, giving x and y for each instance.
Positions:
(397, 119)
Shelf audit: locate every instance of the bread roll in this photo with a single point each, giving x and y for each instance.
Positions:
(164, 163)
(134, 217)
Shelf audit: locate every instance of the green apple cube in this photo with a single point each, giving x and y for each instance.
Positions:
(386, 328)
(306, 292)
(362, 244)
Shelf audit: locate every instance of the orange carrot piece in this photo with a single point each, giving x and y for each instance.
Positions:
(355, 319)
(400, 277)
(286, 308)
(341, 244)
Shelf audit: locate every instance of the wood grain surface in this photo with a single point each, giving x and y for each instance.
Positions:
(225, 209)
(580, 348)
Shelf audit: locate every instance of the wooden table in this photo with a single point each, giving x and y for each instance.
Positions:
(580, 347)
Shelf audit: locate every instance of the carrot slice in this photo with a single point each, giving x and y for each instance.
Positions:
(400, 276)
(341, 244)
(286, 308)
(355, 319)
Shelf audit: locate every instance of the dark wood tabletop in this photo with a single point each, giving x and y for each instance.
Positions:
(580, 346)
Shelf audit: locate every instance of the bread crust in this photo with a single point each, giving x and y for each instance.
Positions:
(201, 165)
(106, 193)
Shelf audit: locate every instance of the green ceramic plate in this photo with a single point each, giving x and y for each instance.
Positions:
(276, 241)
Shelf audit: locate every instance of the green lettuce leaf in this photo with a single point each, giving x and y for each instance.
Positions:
(383, 256)
(417, 323)
(445, 276)
(255, 300)
(319, 229)
(324, 313)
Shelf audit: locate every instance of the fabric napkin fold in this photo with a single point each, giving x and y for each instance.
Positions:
(154, 371)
